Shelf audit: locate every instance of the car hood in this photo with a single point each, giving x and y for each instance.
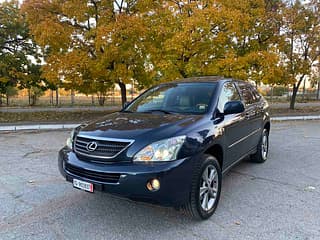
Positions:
(139, 125)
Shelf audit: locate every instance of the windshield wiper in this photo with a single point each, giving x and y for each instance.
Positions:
(157, 110)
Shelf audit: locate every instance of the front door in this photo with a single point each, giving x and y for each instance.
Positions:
(234, 125)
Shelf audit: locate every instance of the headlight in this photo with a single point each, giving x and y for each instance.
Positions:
(161, 151)
(70, 139)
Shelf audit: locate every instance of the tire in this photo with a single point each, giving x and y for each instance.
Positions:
(202, 207)
(262, 149)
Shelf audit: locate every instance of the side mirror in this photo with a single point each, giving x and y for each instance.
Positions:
(233, 107)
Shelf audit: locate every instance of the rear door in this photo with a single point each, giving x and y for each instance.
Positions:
(253, 116)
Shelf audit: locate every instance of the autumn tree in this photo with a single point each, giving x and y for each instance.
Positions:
(301, 40)
(124, 47)
(93, 44)
(229, 38)
(186, 37)
(18, 52)
(253, 41)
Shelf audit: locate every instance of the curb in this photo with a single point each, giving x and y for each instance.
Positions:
(70, 126)
(295, 118)
(38, 127)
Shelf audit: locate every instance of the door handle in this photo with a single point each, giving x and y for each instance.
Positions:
(247, 115)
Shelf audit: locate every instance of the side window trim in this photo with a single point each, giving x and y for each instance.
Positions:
(237, 89)
(239, 92)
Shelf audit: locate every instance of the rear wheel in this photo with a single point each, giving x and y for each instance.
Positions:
(206, 188)
(262, 149)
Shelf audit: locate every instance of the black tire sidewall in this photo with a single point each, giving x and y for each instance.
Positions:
(207, 160)
(265, 131)
(257, 157)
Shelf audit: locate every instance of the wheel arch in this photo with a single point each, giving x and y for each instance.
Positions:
(267, 126)
(216, 150)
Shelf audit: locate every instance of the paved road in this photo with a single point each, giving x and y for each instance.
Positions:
(276, 200)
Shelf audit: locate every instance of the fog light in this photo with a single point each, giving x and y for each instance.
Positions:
(153, 185)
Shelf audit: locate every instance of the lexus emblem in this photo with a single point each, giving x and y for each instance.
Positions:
(91, 146)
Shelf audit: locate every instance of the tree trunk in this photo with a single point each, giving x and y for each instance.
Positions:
(123, 93)
(295, 91)
(57, 96)
(101, 99)
(33, 100)
(92, 99)
(304, 89)
(112, 100)
(132, 89)
(51, 97)
(293, 97)
(0, 99)
(7, 98)
(72, 97)
(29, 96)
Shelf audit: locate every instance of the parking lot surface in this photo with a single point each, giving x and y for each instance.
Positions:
(279, 199)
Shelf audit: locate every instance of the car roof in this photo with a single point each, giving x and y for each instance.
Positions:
(200, 79)
(205, 79)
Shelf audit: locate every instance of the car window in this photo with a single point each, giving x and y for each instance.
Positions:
(256, 94)
(246, 93)
(228, 93)
(187, 98)
(155, 100)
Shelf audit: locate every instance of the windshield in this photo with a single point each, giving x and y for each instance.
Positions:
(185, 98)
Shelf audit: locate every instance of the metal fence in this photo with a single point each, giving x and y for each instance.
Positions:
(65, 98)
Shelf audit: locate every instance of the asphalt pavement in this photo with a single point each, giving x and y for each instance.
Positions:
(279, 199)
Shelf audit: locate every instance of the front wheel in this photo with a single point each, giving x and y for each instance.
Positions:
(262, 149)
(206, 188)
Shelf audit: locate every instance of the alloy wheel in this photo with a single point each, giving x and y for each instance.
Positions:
(264, 146)
(208, 188)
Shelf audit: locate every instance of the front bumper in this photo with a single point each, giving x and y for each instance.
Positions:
(129, 180)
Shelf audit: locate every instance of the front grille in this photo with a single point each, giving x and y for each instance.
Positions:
(91, 175)
(105, 148)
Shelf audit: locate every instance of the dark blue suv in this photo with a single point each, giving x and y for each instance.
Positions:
(171, 145)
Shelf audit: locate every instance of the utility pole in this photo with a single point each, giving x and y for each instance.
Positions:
(132, 89)
(57, 96)
(304, 88)
(318, 92)
(72, 96)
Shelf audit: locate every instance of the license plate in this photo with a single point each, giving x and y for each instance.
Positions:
(83, 185)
